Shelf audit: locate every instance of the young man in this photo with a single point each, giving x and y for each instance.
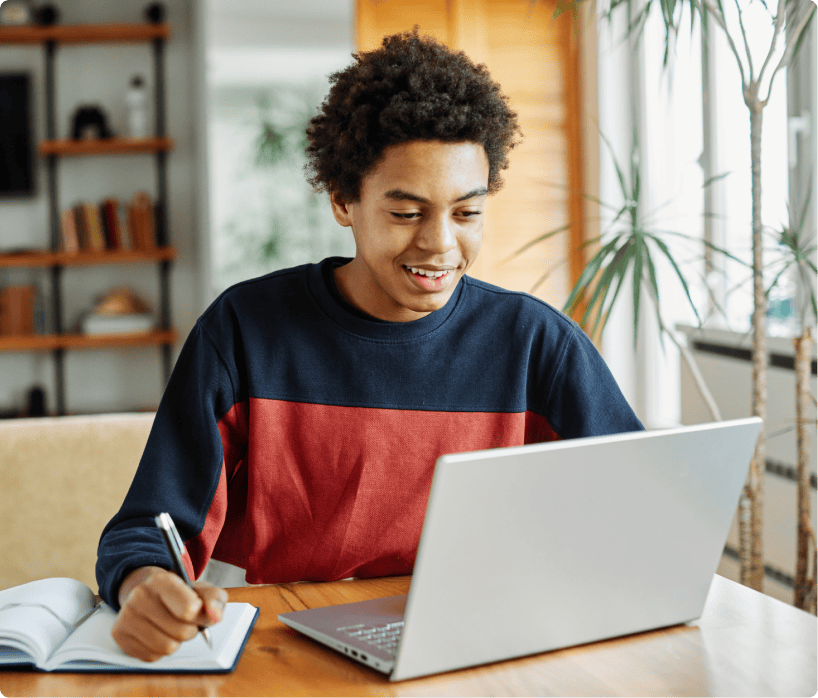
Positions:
(298, 433)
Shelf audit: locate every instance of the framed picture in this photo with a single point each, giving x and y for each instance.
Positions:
(17, 176)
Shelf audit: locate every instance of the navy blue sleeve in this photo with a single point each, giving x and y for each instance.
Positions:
(584, 398)
(179, 470)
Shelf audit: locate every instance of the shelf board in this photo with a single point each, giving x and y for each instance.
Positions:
(84, 33)
(105, 146)
(86, 258)
(48, 342)
(102, 341)
(32, 342)
(70, 259)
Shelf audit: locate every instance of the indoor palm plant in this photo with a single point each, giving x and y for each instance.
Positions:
(626, 253)
(789, 21)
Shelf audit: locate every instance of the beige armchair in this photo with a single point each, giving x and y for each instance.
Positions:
(61, 480)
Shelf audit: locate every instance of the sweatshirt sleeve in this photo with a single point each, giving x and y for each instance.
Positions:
(584, 399)
(181, 472)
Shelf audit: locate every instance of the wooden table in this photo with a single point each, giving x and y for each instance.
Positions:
(744, 644)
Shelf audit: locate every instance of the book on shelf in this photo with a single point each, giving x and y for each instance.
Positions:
(17, 310)
(96, 235)
(141, 222)
(58, 624)
(82, 225)
(110, 220)
(106, 226)
(68, 231)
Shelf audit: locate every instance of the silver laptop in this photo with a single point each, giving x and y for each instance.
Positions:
(533, 548)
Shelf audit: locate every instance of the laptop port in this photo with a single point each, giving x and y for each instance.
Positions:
(354, 653)
(363, 656)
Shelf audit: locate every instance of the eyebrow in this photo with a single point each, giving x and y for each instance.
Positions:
(401, 195)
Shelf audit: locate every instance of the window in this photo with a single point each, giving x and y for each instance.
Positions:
(693, 124)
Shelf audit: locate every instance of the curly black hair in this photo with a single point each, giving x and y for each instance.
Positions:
(411, 88)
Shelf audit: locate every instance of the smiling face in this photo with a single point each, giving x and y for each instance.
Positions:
(417, 225)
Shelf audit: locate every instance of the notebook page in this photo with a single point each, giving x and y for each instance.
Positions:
(92, 643)
(39, 615)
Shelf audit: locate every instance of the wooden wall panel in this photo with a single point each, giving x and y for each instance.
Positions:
(527, 51)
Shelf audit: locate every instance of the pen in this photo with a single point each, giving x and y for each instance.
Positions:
(175, 546)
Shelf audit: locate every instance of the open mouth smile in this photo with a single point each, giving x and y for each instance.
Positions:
(430, 279)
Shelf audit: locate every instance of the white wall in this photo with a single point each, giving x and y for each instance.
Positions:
(273, 52)
(130, 378)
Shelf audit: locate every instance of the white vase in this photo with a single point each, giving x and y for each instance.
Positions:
(137, 101)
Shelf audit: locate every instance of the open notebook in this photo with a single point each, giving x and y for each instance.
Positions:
(58, 625)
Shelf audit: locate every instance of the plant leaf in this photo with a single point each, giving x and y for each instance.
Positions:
(714, 178)
(585, 277)
(802, 35)
(769, 289)
(706, 243)
(637, 242)
(601, 287)
(604, 313)
(583, 284)
(617, 267)
(664, 248)
(539, 238)
(655, 288)
(623, 187)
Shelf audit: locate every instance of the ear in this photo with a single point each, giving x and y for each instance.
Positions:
(342, 210)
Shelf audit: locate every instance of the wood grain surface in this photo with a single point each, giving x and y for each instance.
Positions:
(744, 644)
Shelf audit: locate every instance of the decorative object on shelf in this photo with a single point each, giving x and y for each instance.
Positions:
(17, 310)
(120, 311)
(89, 123)
(16, 12)
(155, 13)
(46, 15)
(137, 100)
(36, 402)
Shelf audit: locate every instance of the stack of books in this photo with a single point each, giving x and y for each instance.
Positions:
(109, 225)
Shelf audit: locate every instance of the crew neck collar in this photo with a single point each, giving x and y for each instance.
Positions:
(329, 300)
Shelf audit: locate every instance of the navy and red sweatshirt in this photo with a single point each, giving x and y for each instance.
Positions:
(296, 438)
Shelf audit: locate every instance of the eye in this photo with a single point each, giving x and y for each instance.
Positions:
(470, 214)
(406, 216)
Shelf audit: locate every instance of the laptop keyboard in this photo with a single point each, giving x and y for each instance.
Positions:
(384, 637)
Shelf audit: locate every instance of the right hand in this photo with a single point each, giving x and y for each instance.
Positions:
(159, 612)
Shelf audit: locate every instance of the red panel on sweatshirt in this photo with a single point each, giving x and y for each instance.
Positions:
(325, 492)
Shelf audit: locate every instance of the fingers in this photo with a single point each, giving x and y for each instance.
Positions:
(161, 612)
(179, 599)
(214, 600)
(138, 636)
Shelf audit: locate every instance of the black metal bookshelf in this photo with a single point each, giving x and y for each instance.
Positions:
(53, 150)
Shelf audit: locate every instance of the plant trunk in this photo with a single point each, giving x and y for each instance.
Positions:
(803, 355)
(752, 499)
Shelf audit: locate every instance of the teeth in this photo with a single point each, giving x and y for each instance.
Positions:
(424, 272)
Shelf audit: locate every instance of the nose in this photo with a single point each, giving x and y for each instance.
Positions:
(437, 235)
